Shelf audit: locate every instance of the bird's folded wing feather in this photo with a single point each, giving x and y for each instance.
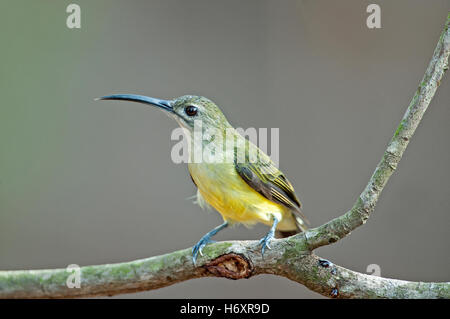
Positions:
(264, 177)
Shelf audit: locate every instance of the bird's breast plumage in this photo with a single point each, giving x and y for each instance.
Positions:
(221, 186)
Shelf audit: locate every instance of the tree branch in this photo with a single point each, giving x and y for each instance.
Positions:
(291, 257)
(288, 257)
(365, 205)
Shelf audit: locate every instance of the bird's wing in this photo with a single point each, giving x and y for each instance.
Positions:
(264, 177)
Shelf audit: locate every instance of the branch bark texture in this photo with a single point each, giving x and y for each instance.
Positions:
(291, 257)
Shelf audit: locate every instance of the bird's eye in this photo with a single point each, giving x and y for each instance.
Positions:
(191, 110)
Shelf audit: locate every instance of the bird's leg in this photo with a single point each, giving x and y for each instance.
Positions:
(206, 240)
(264, 242)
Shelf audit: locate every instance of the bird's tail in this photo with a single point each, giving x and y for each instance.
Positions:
(300, 227)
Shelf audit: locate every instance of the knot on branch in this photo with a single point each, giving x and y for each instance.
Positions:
(231, 266)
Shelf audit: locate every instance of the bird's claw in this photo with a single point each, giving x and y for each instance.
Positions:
(206, 239)
(264, 242)
(198, 248)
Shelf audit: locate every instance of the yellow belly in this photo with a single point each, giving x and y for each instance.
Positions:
(234, 199)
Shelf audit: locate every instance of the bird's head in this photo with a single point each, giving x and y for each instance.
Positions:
(186, 110)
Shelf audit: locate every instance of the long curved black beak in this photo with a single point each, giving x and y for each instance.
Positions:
(164, 104)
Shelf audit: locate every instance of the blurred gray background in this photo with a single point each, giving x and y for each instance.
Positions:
(90, 182)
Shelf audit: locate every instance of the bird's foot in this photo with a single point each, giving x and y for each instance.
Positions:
(198, 248)
(206, 240)
(264, 242)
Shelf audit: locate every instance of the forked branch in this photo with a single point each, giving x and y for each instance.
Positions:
(292, 257)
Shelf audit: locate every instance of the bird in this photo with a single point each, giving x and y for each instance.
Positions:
(237, 178)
